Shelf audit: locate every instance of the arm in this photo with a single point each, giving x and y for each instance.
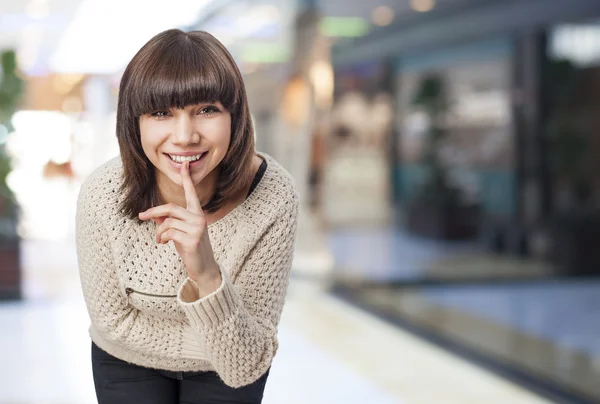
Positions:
(106, 304)
(238, 323)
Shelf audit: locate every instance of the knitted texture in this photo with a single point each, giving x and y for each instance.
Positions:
(145, 310)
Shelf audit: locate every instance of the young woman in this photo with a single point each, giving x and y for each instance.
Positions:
(185, 241)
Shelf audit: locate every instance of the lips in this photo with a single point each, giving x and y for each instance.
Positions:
(177, 164)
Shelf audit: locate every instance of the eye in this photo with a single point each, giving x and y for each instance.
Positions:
(209, 110)
(160, 114)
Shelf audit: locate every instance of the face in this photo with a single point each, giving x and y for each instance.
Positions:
(198, 132)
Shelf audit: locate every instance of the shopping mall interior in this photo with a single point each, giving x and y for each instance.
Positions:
(448, 246)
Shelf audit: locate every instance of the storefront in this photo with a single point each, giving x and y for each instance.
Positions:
(475, 145)
(516, 135)
(356, 174)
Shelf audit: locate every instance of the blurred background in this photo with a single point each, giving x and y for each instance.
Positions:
(445, 152)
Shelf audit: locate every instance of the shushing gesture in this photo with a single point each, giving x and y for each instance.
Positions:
(188, 229)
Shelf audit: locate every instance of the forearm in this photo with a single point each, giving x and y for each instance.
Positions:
(239, 344)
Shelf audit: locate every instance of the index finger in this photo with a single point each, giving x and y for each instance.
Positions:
(191, 199)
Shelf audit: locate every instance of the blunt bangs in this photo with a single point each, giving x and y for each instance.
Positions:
(179, 74)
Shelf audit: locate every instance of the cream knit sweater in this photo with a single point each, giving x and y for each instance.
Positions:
(141, 303)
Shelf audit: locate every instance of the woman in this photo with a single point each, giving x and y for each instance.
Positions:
(185, 242)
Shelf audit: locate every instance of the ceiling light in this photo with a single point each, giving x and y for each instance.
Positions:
(382, 16)
(422, 6)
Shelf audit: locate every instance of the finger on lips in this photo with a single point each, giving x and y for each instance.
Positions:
(193, 204)
(181, 220)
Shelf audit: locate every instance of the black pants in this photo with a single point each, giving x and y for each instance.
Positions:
(119, 382)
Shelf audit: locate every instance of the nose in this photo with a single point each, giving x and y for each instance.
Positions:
(184, 132)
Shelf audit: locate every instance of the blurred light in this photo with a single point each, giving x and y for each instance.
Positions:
(422, 6)
(321, 77)
(100, 39)
(27, 58)
(296, 102)
(382, 16)
(72, 79)
(37, 9)
(64, 83)
(344, 26)
(577, 43)
(61, 156)
(39, 136)
(12, 182)
(265, 53)
(42, 124)
(489, 108)
(27, 53)
(72, 105)
(60, 86)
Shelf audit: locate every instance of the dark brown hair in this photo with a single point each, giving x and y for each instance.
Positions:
(173, 70)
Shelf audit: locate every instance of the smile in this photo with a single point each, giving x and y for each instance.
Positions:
(195, 160)
(181, 159)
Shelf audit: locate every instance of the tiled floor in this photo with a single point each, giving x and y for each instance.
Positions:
(411, 369)
(45, 359)
(329, 352)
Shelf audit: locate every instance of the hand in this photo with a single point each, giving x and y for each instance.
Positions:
(187, 228)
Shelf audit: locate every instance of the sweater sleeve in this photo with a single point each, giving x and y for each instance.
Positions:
(238, 323)
(107, 305)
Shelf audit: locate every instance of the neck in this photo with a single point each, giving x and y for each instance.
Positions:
(169, 192)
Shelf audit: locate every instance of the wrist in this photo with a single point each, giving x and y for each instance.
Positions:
(208, 281)
(207, 278)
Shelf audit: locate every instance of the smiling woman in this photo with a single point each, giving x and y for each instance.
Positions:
(185, 242)
(178, 84)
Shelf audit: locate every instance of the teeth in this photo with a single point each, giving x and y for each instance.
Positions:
(181, 159)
